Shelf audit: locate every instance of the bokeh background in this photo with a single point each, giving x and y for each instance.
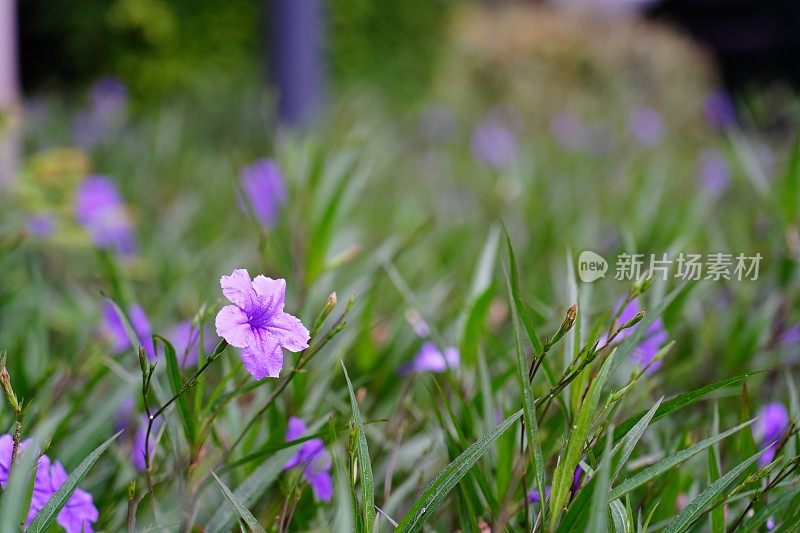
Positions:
(406, 134)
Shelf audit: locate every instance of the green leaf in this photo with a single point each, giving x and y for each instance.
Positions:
(666, 464)
(47, 516)
(683, 400)
(432, 497)
(242, 511)
(175, 385)
(364, 464)
(599, 509)
(699, 505)
(562, 477)
(528, 404)
(252, 488)
(756, 523)
(631, 438)
(524, 317)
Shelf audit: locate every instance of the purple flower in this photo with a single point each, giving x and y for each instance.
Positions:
(185, 339)
(494, 144)
(257, 323)
(138, 447)
(772, 422)
(652, 341)
(569, 130)
(264, 190)
(78, 514)
(720, 110)
(114, 330)
(790, 337)
(646, 125)
(431, 359)
(109, 97)
(41, 224)
(770, 524)
(99, 208)
(715, 176)
(313, 459)
(534, 496)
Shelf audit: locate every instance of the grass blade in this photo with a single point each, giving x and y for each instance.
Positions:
(562, 478)
(243, 512)
(174, 374)
(251, 489)
(664, 465)
(528, 404)
(599, 509)
(631, 438)
(47, 516)
(699, 505)
(365, 466)
(433, 496)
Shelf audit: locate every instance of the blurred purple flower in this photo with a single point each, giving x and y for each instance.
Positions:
(534, 496)
(257, 322)
(772, 422)
(569, 130)
(41, 224)
(108, 101)
(78, 514)
(715, 176)
(185, 339)
(720, 110)
(264, 191)
(138, 447)
(100, 209)
(124, 416)
(652, 341)
(791, 336)
(431, 359)
(494, 144)
(114, 329)
(313, 459)
(770, 524)
(646, 125)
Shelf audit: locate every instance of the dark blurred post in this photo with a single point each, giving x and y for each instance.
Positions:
(9, 92)
(296, 33)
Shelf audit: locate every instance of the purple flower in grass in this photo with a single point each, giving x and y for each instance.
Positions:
(772, 422)
(313, 459)
(41, 224)
(646, 126)
(257, 323)
(185, 339)
(114, 329)
(535, 496)
(431, 359)
(652, 341)
(494, 144)
(720, 110)
(77, 515)
(100, 209)
(264, 190)
(715, 176)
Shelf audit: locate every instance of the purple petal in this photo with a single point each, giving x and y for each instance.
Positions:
(289, 332)
(646, 125)
(773, 420)
(295, 429)
(233, 325)
(431, 359)
(271, 292)
(238, 288)
(321, 484)
(263, 358)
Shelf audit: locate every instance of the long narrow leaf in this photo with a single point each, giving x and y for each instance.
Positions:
(174, 374)
(631, 438)
(241, 510)
(432, 497)
(666, 464)
(364, 463)
(699, 505)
